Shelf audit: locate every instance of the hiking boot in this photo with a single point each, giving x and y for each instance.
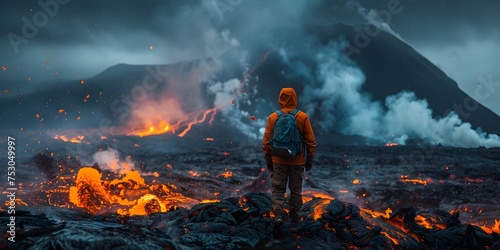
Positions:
(278, 216)
(279, 213)
(294, 216)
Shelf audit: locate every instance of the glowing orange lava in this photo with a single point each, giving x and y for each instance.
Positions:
(431, 222)
(157, 125)
(130, 195)
(494, 229)
(226, 175)
(74, 139)
(407, 179)
(320, 208)
(376, 214)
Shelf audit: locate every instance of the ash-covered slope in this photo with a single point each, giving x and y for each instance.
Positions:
(391, 65)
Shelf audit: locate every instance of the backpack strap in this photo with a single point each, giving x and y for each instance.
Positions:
(295, 112)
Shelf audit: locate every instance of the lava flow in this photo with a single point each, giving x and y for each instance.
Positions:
(74, 139)
(129, 195)
(158, 124)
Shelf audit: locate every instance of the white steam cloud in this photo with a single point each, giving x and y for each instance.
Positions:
(336, 99)
(110, 159)
(415, 119)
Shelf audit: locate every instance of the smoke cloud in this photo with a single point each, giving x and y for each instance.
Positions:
(179, 98)
(334, 97)
(376, 18)
(110, 159)
(231, 109)
(332, 87)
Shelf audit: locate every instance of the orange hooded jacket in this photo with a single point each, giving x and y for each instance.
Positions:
(288, 102)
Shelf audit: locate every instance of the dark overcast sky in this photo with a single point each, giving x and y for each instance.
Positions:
(85, 37)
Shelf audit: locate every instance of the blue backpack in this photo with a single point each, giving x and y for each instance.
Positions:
(286, 141)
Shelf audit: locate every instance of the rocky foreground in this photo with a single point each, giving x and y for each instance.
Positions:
(246, 223)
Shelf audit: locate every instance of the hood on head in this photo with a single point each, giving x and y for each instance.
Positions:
(288, 99)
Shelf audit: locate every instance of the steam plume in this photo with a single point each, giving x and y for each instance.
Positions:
(110, 159)
(336, 99)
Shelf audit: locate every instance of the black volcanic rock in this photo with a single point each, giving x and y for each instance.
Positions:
(341, 225)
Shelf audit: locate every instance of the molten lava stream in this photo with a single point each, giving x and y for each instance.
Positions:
(156, 125)
(130, 195)
(393, 231)
(494, 229)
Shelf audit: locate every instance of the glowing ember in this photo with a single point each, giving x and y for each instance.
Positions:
(194, 173)
(391, 144)
(226, 175)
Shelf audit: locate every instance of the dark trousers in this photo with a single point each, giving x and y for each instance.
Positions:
(282, 174)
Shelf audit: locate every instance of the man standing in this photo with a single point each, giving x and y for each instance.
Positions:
(288, 169)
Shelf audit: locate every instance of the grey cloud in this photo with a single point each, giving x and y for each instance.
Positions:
(85, 37)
